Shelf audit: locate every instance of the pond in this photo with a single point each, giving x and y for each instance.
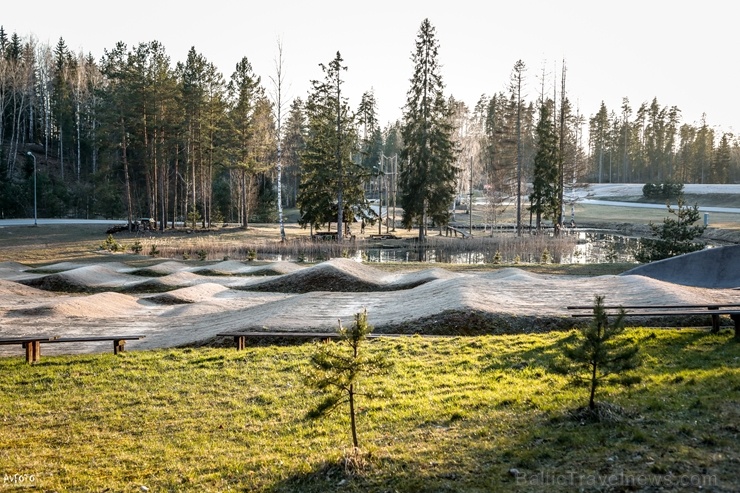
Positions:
(587, 247)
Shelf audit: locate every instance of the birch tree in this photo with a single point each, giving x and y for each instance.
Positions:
(278, 83)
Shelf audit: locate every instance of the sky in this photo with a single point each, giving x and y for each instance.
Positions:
(682, 53)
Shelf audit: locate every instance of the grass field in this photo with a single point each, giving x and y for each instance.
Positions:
(458, 414)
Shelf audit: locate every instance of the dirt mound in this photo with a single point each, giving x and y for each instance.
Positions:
(235, 268)
(11, 289)
(344, 275)
(165, 283)
(67, 266)
(193, 294)
(161, 269)
(95, 306)
(409, 280)
(58, 267)
(88, 279)
(513, 274)
(14, 271)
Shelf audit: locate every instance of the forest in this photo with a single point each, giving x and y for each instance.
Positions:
(130, 135)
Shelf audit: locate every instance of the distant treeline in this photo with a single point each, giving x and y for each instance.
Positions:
(130, 134)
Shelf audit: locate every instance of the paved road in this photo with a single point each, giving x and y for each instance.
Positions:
(729, 210)
(29, 222)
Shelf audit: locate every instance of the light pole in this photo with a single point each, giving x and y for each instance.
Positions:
(35, 216)
(380, 198)
(389, 180)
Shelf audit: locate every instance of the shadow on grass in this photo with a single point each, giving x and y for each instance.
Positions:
(382, 475)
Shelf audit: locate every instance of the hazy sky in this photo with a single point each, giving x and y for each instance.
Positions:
(683, 53)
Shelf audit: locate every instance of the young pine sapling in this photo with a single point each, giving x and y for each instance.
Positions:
(337, 366)
(597, 350)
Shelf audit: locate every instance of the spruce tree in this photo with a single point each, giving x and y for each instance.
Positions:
(331, 183)
(544, 196)
(427, 171)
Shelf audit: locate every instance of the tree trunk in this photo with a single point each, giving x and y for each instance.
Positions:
(352, 415)
(129, 205)
(591, 402)
(247, 200)
(174, 188)
(78, 124)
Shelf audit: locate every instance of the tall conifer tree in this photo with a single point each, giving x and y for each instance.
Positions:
(427, 171)
(331, 183)
(544, 197)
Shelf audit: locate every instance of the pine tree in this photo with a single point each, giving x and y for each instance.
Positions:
(597, 353)
(336, 369)
(294, 143)
(517, 81)
(427, 171)
(244, 91)
(674, 236)
(371, 141)
(203, 102)
(331, 182)
(598, 131)
(62, 101)
(544, 197)
(721, 161)
(116, 114)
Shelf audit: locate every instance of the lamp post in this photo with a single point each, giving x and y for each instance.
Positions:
(380, 199)
(35, 216)
(389, 180)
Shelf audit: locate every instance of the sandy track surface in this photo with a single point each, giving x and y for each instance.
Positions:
(174, 303)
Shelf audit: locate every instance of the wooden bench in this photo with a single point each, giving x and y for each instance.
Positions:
(240, 338)
(32, 344)
(454, 231)
(714, 310)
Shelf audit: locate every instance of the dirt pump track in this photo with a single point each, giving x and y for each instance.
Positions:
(179, 303)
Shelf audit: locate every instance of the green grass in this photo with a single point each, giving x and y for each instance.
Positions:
(459, 414)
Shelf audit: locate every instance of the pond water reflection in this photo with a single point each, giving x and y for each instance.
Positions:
(590, 246)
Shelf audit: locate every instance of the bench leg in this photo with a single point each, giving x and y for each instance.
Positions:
(715, 324)
(33, 351)
(736, 318)
(240, 342)
(118, 345)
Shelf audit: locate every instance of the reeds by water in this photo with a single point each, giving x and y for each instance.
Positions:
(504, 247)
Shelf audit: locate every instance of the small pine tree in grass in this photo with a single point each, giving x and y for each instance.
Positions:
(337, 366)
(596, 351)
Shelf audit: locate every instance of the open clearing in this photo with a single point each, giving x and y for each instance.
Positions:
(55, 279)
(463, 414)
